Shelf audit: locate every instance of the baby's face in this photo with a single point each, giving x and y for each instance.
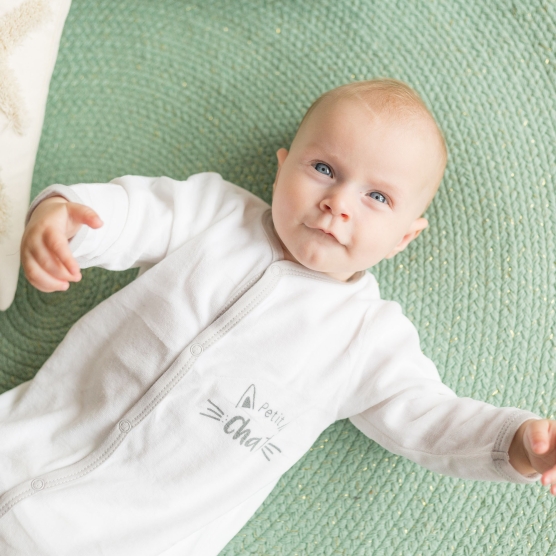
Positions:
(351, 190)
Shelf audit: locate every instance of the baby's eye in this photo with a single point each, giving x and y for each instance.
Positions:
(378, 197)
(323, 169)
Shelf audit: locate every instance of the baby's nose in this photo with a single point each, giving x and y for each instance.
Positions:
(337, 203)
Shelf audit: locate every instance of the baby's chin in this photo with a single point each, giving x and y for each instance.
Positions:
(323, 266)
(319, 258)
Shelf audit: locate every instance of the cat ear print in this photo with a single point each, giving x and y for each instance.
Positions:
(248, 399)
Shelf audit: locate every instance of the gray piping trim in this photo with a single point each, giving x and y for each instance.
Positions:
(223, 324)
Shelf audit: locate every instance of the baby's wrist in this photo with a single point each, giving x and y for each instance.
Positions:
(36, 212)
(519, 459)
(54, 199)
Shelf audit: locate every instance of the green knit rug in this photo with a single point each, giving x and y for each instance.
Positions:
(172, 87)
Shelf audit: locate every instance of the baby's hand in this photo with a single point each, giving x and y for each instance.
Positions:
(534, 449)
(45, 253)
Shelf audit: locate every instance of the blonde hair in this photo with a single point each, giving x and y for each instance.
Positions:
(385, 96)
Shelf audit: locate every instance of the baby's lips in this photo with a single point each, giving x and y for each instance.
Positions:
(324, 230)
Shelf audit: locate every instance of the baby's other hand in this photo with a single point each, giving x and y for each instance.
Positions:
(45, 254)
(534, 449)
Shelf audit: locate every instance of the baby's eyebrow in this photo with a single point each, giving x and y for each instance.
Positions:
(312, 147)
(388, 187)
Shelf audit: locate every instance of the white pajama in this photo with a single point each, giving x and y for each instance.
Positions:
(168, 413)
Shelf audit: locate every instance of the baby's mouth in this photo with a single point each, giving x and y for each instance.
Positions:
(324, 232)
(329, 234)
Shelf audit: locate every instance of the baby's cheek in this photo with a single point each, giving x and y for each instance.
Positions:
(367, 253)
(286, 214)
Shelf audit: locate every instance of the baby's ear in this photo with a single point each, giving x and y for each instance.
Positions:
(281, 155)
(414, 230)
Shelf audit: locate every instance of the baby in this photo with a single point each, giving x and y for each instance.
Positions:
(169, 412)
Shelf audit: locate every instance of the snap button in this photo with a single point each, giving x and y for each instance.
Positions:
(276, 271)
(125, 425)
(196, 349)
(37, 484)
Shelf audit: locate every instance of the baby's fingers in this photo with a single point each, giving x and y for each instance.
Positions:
(549, 478)
(539, 437)
(41, 279)
(61, 262)
(79, 215)
(41, 257)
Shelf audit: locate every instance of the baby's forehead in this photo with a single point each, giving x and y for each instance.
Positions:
(386, 99)
(378, 108)
(334, 124)
(370, 110)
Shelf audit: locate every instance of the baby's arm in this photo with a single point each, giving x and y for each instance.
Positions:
(45, 254)
(404, 406)
(144, 219)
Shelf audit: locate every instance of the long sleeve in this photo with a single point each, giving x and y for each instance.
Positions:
(145, 219)
(410, 412)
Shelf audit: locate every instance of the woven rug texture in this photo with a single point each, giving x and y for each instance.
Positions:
(176, 87)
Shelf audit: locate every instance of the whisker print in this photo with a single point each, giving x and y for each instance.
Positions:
(215, 412)
(265, 448)
(210, 416)
(213, 404)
